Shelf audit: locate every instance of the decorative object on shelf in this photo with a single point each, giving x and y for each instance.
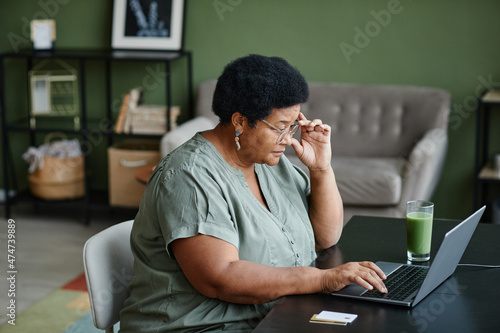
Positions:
(56, 170)
(54, 91)
(43, 34)
(148, 24)
(136, 98)
(130, 101)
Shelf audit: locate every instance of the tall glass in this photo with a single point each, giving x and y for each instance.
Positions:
(419, 216)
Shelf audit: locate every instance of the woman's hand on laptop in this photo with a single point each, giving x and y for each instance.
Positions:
(366, 274)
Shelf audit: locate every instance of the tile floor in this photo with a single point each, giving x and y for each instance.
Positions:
(48, 249)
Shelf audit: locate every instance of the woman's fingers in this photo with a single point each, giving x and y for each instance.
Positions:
(313, 148)
(312, 125)
(371, 277)
(366, 274)
(375, 268)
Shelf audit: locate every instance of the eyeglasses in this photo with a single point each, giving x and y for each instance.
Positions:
(285, 131)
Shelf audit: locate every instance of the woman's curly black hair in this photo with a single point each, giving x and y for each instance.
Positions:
(255, 85)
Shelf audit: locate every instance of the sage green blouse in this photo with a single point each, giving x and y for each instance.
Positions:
(194, 191)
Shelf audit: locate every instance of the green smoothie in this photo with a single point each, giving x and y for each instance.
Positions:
(419, 232)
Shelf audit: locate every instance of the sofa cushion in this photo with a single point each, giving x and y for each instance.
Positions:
(364, 181)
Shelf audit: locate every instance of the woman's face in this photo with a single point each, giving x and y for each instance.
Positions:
(259, 144)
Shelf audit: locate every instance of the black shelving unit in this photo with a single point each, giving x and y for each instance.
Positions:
(484, 173)
(87, 125)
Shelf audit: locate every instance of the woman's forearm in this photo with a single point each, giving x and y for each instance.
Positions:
(251, 283)
(325, 209)
(246, 282)
(213, 267)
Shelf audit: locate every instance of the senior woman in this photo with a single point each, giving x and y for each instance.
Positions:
(227, 224)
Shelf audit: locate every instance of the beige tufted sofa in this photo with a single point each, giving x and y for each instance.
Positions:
(388, 142)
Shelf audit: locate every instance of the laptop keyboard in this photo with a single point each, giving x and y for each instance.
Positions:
(401, 283)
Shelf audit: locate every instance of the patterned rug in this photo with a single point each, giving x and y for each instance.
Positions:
(66, 310)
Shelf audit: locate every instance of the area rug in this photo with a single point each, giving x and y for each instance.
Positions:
(66, 310)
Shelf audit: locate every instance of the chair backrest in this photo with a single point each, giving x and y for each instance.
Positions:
(204, 100)
(108, 264)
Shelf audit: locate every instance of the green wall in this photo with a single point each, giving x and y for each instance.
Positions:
(450, 44)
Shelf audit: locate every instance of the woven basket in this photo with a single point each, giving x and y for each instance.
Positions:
(59, 179)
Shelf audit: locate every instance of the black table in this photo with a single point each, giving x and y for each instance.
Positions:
(469, 301)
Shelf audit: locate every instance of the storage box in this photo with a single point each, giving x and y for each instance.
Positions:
(125, 190)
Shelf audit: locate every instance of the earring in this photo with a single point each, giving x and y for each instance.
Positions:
(237, 140)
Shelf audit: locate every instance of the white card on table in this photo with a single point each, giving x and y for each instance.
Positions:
(336, 316)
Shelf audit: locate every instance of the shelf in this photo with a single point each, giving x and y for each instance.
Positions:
(99, 201)
(486, 176)
(55, 124)
(489, 173)
(99, 54)
(26, 196)
(44, 124)
(82, 126)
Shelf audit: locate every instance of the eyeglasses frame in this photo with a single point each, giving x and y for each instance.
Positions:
(284, 132)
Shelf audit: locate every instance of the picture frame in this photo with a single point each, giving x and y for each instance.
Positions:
(148, 25)
(43, 34)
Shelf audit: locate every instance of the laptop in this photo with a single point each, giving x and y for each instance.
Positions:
(409, 284)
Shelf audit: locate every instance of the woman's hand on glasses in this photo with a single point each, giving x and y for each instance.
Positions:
(314, 148)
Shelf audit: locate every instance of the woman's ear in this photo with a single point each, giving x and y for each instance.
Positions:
(239, 121)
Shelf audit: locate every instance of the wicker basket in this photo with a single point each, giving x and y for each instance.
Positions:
(59, 179)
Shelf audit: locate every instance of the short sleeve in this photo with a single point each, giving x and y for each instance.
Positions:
(200, 207)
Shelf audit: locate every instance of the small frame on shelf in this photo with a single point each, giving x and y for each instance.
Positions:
(43, 34)
(148, 24)
(53, 92)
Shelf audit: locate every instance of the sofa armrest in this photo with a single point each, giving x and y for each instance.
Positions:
(183, 133)
(424, 165)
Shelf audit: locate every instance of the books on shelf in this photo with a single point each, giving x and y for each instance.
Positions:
(120, 121)
(136, 96)
(152, 119)
(137, 118)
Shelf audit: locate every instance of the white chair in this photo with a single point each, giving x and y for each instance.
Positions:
(108, 264)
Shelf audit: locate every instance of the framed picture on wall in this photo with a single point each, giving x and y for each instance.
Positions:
(148, 24)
